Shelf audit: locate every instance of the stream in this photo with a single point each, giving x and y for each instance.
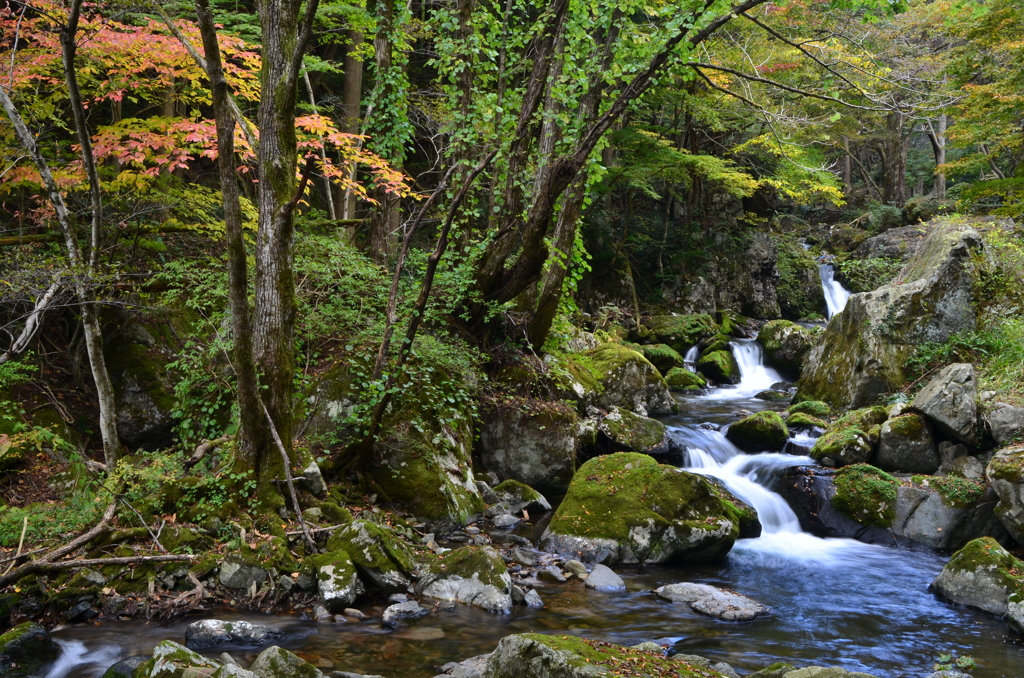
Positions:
(834, 601)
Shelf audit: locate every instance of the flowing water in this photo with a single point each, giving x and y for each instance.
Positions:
(836, 295)
(834, 601)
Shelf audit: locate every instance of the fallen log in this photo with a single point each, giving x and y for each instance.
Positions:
(37, 566)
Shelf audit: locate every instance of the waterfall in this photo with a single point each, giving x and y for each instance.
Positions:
(755, 376)
(690, 359)
(836, 295)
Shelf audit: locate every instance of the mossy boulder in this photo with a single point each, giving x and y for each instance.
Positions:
(531, 441)
(982, 575)
(760, 432)
(786, 344)
(381, 557)
(815, 408)
(682, 379)
(719, 342)
(865, 350)
(517, 496)
(337, 581)
(275, 662)
(663, 356)
(470, 575)
(25, 650)
(612, 375)
(622, 431)
(171, 660)
(680, 332)
(905, 443)
(1006, 474)
(719, 367)
(533, 655)
(804, 420)
(628, 508)
(866, 494)
(851, 439)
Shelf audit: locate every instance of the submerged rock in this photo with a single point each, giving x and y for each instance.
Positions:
(714, 602)
(628, 508)
(981, 575)
(864, 351)
(207, 633)
(760, 432)
(950, 400)
(25, 649)
(474, 576)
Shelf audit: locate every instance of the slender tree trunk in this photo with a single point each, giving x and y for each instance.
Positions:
(351, 97)
(254, 434)
(323, 150)
(847, 169)
(385, 219)
(894, 148)
(90, 311)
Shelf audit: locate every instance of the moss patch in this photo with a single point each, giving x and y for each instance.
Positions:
(680, 331)
(803, 420)
(682, 379)
(986, 553)
(815, 408)
(907, 425)
(485, 564)
(1008, 465)
(663, 357)
(955, 491)
(758, 432)
(619, 660)
(720, 367)
(866, 494)
(631, 432)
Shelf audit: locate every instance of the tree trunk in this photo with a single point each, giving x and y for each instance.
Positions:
(894, 148)
(384, 221)
(253, 430)
(937, 137)
(351, 97)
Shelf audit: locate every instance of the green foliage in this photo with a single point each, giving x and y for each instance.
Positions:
(866, 494)
(798, 288)
(866, 275)
(884, 217)
(51, 520)
(948, 662)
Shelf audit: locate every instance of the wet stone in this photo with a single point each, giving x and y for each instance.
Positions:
(551, 573)
(714, 602)
(407, 610)
(207, 633)
(504, 522)
(603, 579)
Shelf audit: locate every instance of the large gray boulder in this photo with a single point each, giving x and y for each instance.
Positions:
(1006, 474)
(171, 660)
(603, 578)
(275, 662)
(382, 559)
(950, 400)
(25, 649)
(238, 573)
(1005, 422)
(981, 575)
(536, 446)
(864, 351)
(474, 576)
(207, 633)
(905, 443)
(628, 508)
(714, 602)
(613, 375)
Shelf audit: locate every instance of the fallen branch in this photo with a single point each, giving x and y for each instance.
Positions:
(316, 530)
(37, 566)
(203, 449)
(288, 477)
(31, 324)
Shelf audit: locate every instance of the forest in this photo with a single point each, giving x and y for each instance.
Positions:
(521, 339)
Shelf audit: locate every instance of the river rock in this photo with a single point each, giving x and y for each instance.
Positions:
(1015, 612)
(663, 356)
(603, 578)
(786, 344)
(1006, 423)
(275, 662)
(719, 367)
(126, 667)
(382, 559)
(232, 670)
(628, 508)
(826, 672)
(865, 350)
(950, 400)
(682, 379)
(622, 431)
(850, 439)
(517, 497)
(776, 670)
(760, 432)
(337, 580)
(238, 573)
(905, 443)
(25, 649)
(680, 332)
(714, 602)
(981, 575)
(613, 375)
(1006, 475)
(171, 660)
(474, 576)
(393, 614)
(207, 633)
(535, 446)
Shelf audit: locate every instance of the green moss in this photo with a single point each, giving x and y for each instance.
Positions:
(815, 408)
(682, 379)
(719, 342)
(798, 287)
(618, 660)
(680, 331)
(908, 425)
(803, 420)
(772, 333)
(776, 670)
(662, 356)
(955, 491)
(1008, 465)
(720, 367)
(866, 275)
(485, 564)
(864, 418)
(866, 494)
(759, 431)
(344, 568)
(518, 490)
(375, 550)
(639, 434)
(986, 553)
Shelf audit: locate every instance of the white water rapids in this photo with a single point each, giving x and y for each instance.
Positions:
(836, 295)
(755, 376)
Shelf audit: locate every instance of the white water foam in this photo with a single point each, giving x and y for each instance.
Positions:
(836, 295)
(755, 376)
(75, 655)
(690, 359)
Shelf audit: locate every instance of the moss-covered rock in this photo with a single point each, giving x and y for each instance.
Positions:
(518, 496)
(1006, 474)
(786, 344)
(905, 443)
(815, 408)
(275, 662)
(866, 494)
(798, 286)
(470, 575)
(382, 559)
(982, 575)
(171, 660)
(719, 367)
(530, 441)
(532, 655)
(628, 508)
(680, 332)
(851, 439)
(663, 356)
(337, 581)
(623, 431)
(612, 375)
(682, 379)
(865, 350)
(803, 420)
(719, 342)
(26, 649)
(760, 432)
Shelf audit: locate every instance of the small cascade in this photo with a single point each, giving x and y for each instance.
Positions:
(690, 359)
(836, 295)
(755, 376)
(75, 656)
